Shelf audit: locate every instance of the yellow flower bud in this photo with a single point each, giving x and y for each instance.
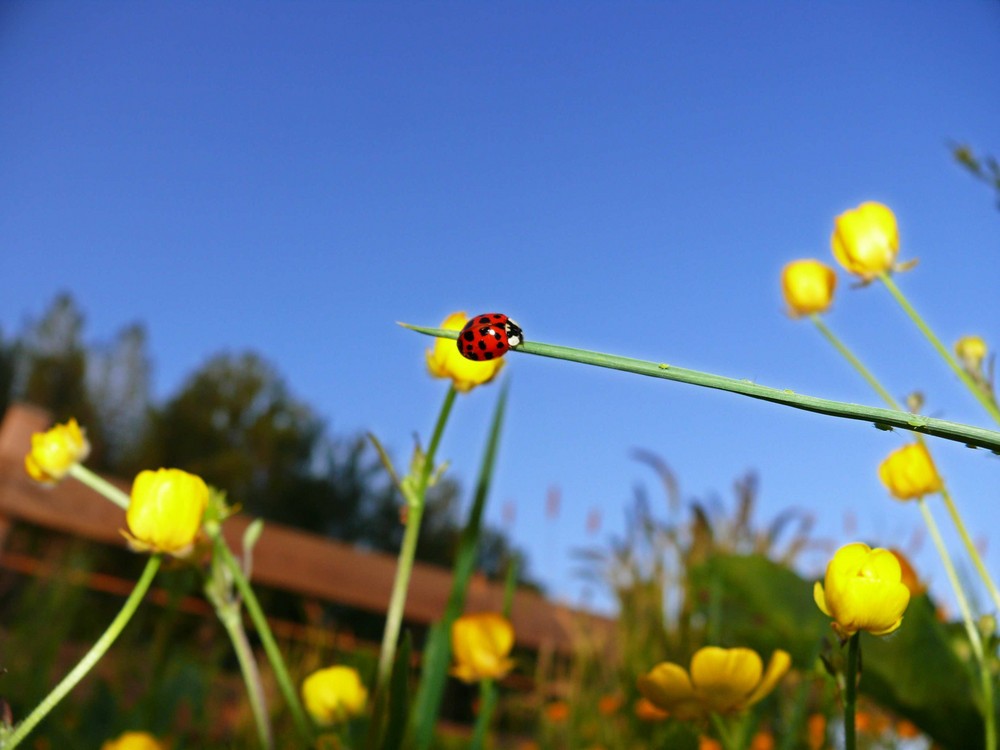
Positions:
(722, 680)
(481, 644)
(134, 741)
(445, 361)
(866, 240)
(166, 510)
(971, 350)
(53, 452)
(334, 694)
(863, 590)
(808, 286)
(909, 472)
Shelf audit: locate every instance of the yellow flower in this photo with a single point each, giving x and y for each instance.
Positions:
(866, 240)
(166, 510)
(863, 590)
(53, 452)
(445, 361)
(722, 680)
(481, 644)
(808, 286)
(334, 694)
(909, 472)
(971, 350)
(133, 741)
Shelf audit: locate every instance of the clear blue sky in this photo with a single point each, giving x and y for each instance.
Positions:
(293, 178)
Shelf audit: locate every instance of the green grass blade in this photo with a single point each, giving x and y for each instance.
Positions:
(977, 437)
(437, 654)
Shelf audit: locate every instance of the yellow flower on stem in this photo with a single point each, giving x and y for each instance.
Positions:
(334, 694)
(971, 351)
(53, 452)
(481, 644)
(722, 681)
(166, 510)
(134, 741)
(863, 590)
(808, 287)
(909, 472)
(866, 240)
(445, 361)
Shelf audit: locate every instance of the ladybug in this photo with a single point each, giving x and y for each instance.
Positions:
(488, 336)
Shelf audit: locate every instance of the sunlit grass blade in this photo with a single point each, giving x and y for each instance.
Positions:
(437, 655)
(882, 418)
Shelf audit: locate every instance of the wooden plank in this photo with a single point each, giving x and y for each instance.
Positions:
(284, 557)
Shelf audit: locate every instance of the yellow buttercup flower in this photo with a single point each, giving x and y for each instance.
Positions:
(334, 694)
(863, 590)
(909, 472)
(165, 512)
(808, 286)
(53, 452)
(481, 644)
(445, 361)
(866, 240)
(722, 680)
(971, 351)
(134, 741)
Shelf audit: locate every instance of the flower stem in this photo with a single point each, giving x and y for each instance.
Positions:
(100, 485)
(271, 649)
(981, 396)
(487, 704)
(851, 691)
(91, 658)
(945, 494)
(415, 510)
(232, 622)
(975, 641)
(854, 361)
(885, 418)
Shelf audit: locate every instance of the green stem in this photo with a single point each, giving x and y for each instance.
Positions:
(945, 494)
(100, 485)
(726, 734)
(975, 640)
(285, 684)
(407, 553)
(883, 418)
(981, 396)
(855, 362)
(229, 615)
(90, 658)
(851, 691)
(970, 547)
(487, 704)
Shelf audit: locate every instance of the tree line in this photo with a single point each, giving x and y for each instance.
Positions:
(235, 422)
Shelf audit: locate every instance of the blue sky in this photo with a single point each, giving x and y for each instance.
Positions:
(293, 178)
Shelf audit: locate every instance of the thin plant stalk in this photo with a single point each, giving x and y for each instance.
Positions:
(981, 396)
(89, 659)
(100, 485)
(986, 680)
(285, 685)
(969, 435)
(851, 691)
(949, 503)
(970, 627)
(233, 623)
(416, 500)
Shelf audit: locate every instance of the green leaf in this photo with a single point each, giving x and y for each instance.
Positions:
(962, 433)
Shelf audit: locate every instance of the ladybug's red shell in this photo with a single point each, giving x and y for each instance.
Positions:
(488, 336)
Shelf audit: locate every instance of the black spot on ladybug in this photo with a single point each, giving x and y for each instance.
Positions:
(488, 355)
(482, 344)
(468, 335)
(484, 319)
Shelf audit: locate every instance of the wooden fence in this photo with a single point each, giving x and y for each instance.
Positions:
(285, 558)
